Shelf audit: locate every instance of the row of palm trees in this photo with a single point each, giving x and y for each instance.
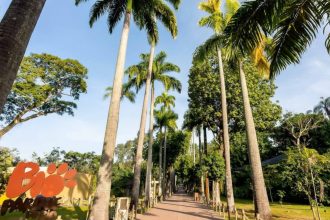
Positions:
(138, 76)
(145, 13)
(217, 21)
(293, 24)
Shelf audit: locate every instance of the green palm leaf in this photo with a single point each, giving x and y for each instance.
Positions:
(298, 27)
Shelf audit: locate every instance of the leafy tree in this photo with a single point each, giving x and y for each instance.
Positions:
(294, 25)
(143, 13)
(215, 166)
(8, 158)
(298, 128)
(305, 167)
(184, 167)
(16, 28)
(44, 85)
(125, 152)
(320, 138)
(56, 156)
(84, 162)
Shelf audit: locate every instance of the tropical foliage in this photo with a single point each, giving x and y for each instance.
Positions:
(45, 84)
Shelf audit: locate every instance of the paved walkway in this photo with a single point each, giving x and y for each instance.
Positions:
(180, 207)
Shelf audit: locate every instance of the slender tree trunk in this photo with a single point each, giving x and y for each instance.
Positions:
(229, 182)
(164, 165)
(200, 159)
(139, 149)
(16, 28)
(160, 170)
(205, 140)
(257, 174)
(207, 183)
(321, 190)
(100, 208)
(217, 193)
(151, 131)
(194, 148)
(207, 188)
(172, 178)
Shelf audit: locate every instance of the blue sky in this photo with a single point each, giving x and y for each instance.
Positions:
(63, 30)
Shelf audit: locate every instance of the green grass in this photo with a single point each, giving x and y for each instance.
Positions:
(284, 212)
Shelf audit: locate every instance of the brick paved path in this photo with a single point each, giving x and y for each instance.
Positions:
(180, 207)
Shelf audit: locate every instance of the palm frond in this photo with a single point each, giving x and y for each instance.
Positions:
(246, 28)
(210, 6)
(231, 8)
(116, 11)
(169, 67)
(259, 57)
(77, 2)
(175, 3)
(208, 47)
(160, 57)
(170, 83)
(126, 93)
(99, 8)
(298, 27)
(166, 16)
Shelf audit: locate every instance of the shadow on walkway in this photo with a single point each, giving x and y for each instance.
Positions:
(180, 207)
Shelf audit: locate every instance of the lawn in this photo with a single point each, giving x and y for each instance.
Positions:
(286, 211)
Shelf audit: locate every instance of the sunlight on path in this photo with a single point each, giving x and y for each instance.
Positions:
(179, 207)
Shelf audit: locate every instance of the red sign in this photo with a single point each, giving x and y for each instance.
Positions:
(27, 176)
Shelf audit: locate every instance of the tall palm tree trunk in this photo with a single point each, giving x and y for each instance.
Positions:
(139, 149)
(151, 131)
(100, 208)
(164, 165)
(229, 182)
(16, 28)
(257, 174)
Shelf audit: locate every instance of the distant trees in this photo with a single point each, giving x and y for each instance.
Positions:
(45, 84)
(8, 158)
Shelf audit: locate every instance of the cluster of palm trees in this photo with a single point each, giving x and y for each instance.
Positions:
(165, 117)
(145, 14)
(238, 33)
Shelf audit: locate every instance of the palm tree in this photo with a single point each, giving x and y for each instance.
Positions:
(259, 187)
(16, 28)
(137, 78)
(165, 119)
(167, 101)
(126, 93)
(144, 12)
(217, 21)
(172, 27)
(293, 24)
(323, 107)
